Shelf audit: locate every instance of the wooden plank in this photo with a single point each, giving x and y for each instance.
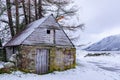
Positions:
(42, 61)
(40, 36)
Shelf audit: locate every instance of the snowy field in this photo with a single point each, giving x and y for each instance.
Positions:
(88, 68)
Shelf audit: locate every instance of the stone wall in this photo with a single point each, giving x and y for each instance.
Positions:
(2, 54)
(26, 57)
(63, 58)
(59, 58)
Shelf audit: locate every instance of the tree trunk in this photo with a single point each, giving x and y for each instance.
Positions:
(0, 43)
(10, 17)
(40, 9)
(17, 17)
(24, 10)
(29, 14)
(36, 15)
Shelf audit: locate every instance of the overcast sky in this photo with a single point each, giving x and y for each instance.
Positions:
(101, 18)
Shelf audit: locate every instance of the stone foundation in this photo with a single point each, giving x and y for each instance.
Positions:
(59, 58)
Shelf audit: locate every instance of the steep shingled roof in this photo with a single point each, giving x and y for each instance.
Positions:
(19, 39)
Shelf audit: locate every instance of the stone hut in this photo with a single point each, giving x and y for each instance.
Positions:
(42, 47)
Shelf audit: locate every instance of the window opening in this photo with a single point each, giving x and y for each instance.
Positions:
(48, 31)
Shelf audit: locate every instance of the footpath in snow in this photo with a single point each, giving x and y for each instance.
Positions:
(88, 68)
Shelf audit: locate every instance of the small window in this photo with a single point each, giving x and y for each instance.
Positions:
(48, 31)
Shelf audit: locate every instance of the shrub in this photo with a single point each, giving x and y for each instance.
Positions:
(5, 70)
(97, 54)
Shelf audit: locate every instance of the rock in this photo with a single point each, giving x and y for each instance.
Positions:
(9, 65)
(1, 65)
(13, 58)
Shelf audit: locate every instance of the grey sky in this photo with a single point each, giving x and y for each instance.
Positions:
(101, 18)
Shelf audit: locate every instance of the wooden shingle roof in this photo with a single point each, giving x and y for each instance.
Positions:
(46, 22)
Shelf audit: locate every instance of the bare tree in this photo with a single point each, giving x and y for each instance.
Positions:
(17, 16)
(40, 9)
(2, 7)
(63, 12)
(8, 4)
(36, 9)
(58, 7)
(29, 10)
(24, 10)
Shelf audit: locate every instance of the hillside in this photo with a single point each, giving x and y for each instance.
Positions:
(111, 43)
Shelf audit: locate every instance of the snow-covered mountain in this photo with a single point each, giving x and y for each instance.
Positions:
(111, 43)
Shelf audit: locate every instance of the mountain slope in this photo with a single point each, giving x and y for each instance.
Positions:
(111, 43)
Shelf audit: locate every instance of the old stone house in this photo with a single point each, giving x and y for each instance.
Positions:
(43, 47)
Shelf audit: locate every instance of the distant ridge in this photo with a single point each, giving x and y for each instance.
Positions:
(111, 43)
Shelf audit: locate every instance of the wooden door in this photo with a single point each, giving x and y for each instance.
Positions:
(42, 61)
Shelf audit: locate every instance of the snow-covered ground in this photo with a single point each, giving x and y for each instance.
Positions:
(88, 68)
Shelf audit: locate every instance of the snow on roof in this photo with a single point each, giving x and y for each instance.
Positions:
(21, 37)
